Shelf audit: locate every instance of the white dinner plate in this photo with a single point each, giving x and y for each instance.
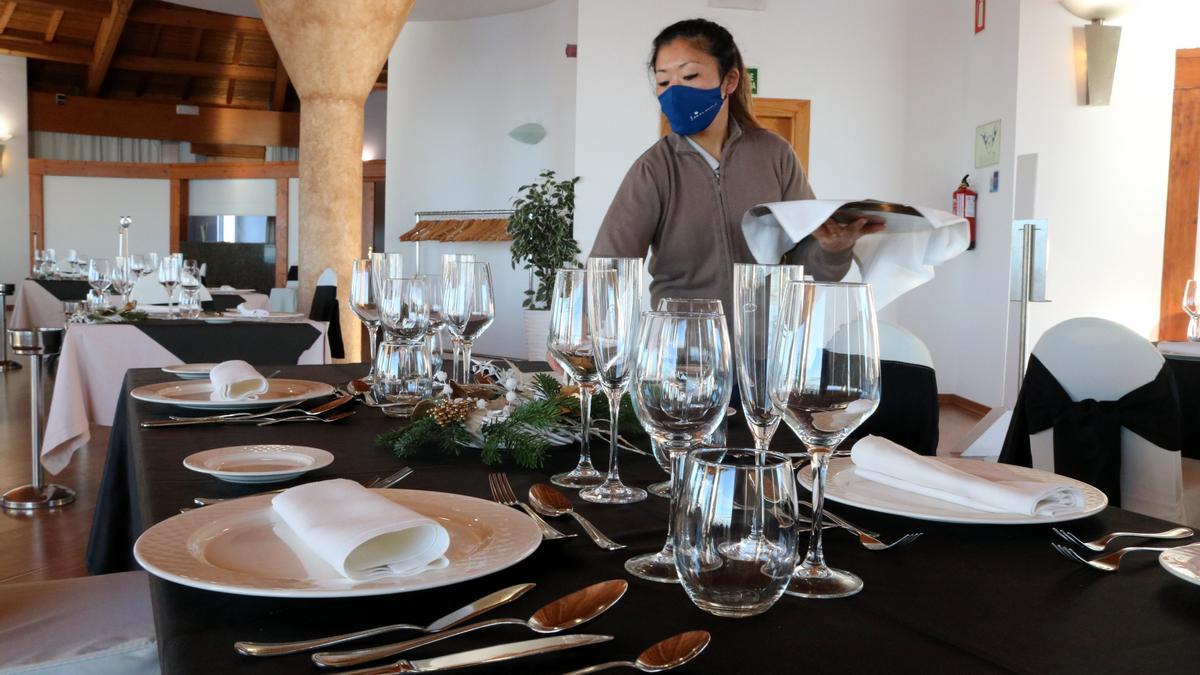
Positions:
(194, 394)
(258, 463)
(844, 486)
(190, 371)
(230, 291)
(271, 316)
(1183, 562)
(233, 547)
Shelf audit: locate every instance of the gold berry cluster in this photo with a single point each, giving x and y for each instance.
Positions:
(454, 411)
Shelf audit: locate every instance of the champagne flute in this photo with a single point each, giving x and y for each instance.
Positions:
(433, 336)
(614, 298)
(682, 381)
(168, 276)
(824, 382)
(1191, 305)
(570, 345)
(363, 302)
(100, 272)
(468, 307)
(455, 345)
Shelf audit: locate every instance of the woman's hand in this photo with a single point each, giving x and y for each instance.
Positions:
(835, 236)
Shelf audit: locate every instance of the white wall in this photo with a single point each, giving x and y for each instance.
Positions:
(375, 126)
(83, 214)
(14, 183)
(233, 197)
(1102, 170)
(455, 90)
(846, 57)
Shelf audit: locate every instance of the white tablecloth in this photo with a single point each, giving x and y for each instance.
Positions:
(91, 370)
(36, 307)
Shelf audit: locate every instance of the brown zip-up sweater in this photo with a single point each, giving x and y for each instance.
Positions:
(690, 218)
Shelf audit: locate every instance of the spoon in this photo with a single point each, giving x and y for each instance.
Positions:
(564, 613)
(550, 502)
(501, 597)
(665, 655)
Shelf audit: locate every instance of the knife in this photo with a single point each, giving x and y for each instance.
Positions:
(475, 657)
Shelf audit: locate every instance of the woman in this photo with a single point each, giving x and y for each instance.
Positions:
(684, 198)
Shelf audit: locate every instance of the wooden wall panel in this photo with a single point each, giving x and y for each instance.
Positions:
(281, 231)
(1183, 198)
(179, 212)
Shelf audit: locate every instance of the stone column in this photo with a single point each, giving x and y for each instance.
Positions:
(333, 52)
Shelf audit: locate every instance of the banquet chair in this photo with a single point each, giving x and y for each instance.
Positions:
(908, 403)
(1096, 360)
(101, 625)
(325, 308)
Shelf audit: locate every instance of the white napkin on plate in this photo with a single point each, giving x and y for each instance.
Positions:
(236, 381)
(883, 461)
(1191, 349)
(363, 535)
(245, 310)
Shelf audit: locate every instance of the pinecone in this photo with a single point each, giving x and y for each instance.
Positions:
(447, 412)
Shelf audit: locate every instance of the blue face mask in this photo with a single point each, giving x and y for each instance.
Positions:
(690, 110)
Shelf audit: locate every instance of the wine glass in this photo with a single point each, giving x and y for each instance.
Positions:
(100, 275)
(433, 335)
(614, 299)
(168, 276)
(123, 278)
(137, 265)
(570, 345)
(189, 284)
(151, 264)
(824, 381)
(39, 256)
(468, 306)
(455, 345)
(682, 380)
(404, 309)
(49, 262)
(363, 302)
(1191, 305)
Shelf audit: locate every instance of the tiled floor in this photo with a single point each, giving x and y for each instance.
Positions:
(51, 545)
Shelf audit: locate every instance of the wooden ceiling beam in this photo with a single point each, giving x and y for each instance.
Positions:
(194, 68)
(39, 49)
(90, 7)
(107, 37)
(237, 60)
(52, 27)
(185, 17)
(6, 15)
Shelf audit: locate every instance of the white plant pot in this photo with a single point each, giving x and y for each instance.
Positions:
(537, 328)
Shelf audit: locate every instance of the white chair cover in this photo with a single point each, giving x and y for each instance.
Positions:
(1102, 360)
(898, 344)
(327, 278)
(284, 300)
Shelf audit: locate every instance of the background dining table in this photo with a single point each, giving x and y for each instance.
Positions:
(962, 598)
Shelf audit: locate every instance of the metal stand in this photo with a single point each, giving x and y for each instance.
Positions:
(1027, 276)
(37, 494)
(6, 365)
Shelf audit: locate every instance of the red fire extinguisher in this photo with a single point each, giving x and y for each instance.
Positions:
(964, 206)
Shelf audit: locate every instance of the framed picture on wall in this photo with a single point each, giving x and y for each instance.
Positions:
(987, 144)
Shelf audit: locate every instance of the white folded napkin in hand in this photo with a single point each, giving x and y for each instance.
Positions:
(245, 310)
(1180, 348)
(363, 535)
(225, 287)
(883, 461)
(236, 381)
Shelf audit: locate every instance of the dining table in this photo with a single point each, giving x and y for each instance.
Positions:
(961, 598)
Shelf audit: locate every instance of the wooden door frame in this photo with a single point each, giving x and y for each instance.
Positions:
(1183, 196)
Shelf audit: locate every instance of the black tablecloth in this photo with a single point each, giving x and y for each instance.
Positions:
(1187, 380)
(260, 343)
(960, 599)
(65, 289)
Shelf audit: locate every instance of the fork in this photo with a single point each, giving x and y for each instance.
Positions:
(502, 493)
(1109, 562)
(1100, 544)
(869, 542)
(306, 418)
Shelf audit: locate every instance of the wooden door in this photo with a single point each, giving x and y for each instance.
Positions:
(788, 117)
(1183, 196)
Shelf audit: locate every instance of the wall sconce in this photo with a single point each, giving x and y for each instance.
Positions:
(5, 137)
(1102, 42)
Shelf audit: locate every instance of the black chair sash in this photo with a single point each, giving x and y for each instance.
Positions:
(325, 308)
(1087, 433)
(908, 408)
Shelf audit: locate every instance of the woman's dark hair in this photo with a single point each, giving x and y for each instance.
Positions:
(718, 43)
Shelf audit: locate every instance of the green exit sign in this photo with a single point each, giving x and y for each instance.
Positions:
(753, 80)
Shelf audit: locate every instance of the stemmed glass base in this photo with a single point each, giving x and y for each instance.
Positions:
(612, 492)
(582, 476)
(658, 566)
(662, 489)
(812, 581)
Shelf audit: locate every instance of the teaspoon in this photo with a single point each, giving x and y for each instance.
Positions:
(665, 655)
(551, 502)
(564, 613)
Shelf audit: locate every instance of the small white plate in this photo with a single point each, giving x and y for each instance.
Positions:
(190, 371)
(235, 547)
(194, 394)
(271, 316)
(217, 320)
(258, 463)
(1183, 562)
(846, 487)
(230, 291)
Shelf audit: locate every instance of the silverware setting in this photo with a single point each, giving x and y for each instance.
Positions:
(662, 655)
(379, 482)
(868, 539)
(502, 493)
(458, 616)
(562, 614)
(292, 409)
(1100, 544)
(1109, 562)
(548, 501)
(307, 418)
(474, 657)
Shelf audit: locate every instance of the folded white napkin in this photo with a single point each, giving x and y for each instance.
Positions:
(236, 381)
(1180, 348)
(225, 287)
(147, 291)
(363, 535)
(246, 310)
(894, 261)
(883, 461)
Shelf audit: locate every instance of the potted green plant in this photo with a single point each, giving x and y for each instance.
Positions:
(543, 240)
